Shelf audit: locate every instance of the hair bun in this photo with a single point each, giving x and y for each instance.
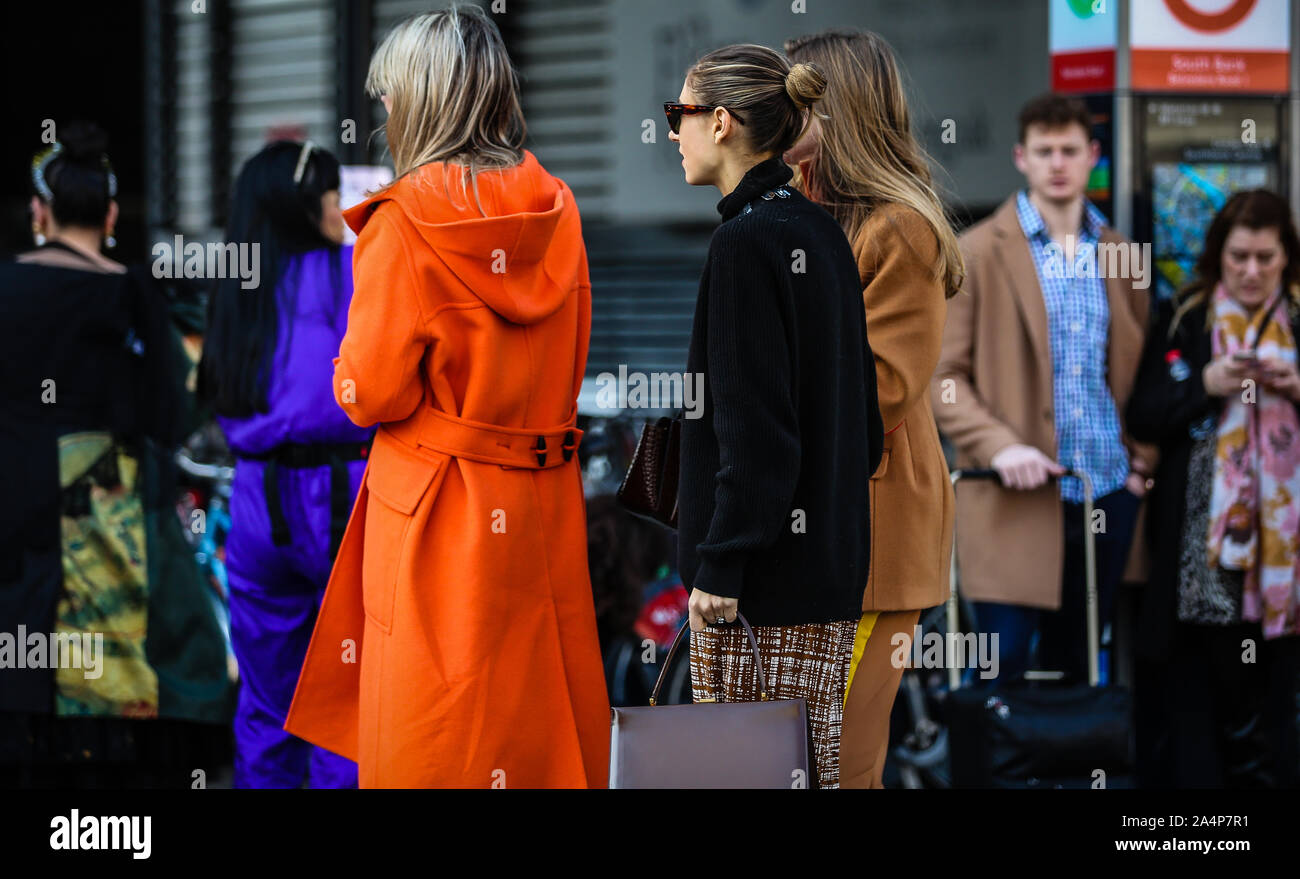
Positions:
(805, 85)
(83, 142)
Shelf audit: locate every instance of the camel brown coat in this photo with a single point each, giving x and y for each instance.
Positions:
(911, 496)
(993, 387)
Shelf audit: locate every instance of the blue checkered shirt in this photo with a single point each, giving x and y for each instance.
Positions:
(1078, 323)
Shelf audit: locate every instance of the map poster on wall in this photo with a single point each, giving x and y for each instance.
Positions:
(1185, 199)
(1198, 152)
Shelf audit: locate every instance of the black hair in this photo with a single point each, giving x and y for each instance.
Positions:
(78, 177)
(283, 219)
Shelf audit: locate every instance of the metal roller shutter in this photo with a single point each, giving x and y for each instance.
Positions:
(564, 53)
(282, 73)
(243, 71)
(193, 214)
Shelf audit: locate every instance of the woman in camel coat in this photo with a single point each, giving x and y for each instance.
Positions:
(861, 162)
(456, 646)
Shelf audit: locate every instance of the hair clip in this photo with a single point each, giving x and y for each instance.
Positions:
(38, 170)
(307, 147)
(42, 161)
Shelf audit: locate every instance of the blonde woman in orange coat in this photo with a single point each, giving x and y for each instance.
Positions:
(456, 646)
(861, 162)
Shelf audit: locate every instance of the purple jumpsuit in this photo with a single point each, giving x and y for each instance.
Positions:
(276, 587)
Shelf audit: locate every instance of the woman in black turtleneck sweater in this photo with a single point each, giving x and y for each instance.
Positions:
(774, 518)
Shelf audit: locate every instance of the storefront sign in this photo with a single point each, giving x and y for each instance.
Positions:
(1209, 45)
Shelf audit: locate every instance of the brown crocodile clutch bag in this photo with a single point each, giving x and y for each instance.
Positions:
(650, 487)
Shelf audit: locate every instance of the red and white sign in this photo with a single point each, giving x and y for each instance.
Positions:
(1092, 70)
(1210, 45)
(1082, 42)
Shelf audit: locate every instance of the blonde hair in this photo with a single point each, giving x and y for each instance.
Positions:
(454, 93)
(759, 85)
(868, 155)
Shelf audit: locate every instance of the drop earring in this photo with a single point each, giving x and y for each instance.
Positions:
(37, 236)
(109, 241)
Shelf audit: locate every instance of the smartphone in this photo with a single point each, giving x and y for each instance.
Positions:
(1245, 356)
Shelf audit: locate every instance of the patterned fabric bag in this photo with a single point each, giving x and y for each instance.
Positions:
(103, 612)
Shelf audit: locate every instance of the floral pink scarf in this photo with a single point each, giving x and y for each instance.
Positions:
(1255, 501)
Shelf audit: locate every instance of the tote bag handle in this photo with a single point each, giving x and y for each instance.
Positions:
(672, 651)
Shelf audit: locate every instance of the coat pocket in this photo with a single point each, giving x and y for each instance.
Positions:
(396, 480)
(884, 465)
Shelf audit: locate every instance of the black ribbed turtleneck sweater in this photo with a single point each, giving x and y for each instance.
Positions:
(774, 497)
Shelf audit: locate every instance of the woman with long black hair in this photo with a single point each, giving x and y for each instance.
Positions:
(267, 369)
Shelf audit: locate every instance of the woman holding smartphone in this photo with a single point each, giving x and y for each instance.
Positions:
(773, 500)
(1219, 390)
(861, 162)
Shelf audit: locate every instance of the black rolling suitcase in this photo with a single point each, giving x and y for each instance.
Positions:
(1035, 734)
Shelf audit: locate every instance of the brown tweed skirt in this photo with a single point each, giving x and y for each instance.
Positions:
(808, 661)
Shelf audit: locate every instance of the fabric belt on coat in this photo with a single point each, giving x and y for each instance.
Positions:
(336, 456)
(524, 447)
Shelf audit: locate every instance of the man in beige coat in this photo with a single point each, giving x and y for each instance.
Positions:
(1038, 360)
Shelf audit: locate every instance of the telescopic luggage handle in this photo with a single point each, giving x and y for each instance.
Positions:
(1089, 563)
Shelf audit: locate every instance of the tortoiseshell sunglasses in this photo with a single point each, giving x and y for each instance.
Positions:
(674, 111)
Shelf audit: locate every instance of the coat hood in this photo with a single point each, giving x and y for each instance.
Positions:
(522, 256)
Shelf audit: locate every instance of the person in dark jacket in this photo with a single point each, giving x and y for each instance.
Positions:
(773, 499)
(92, 554)
(1218, 390)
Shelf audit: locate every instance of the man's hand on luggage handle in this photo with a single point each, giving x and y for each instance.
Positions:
(1024, 467)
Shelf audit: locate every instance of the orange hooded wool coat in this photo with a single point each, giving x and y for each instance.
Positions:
(456, 643)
